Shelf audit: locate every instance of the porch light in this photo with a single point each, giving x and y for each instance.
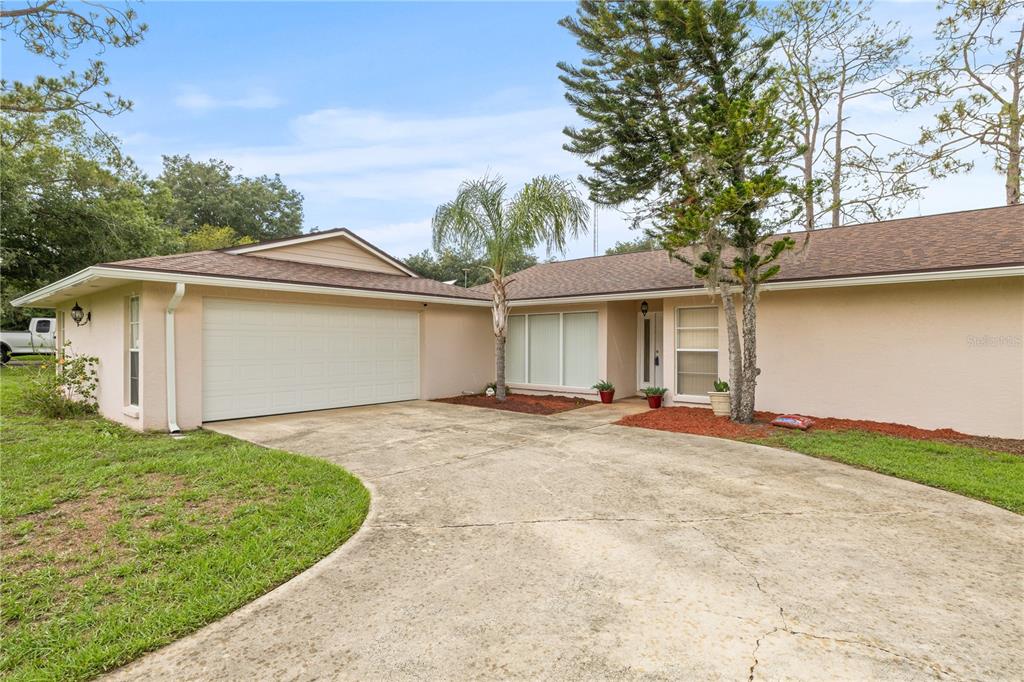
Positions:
(644, 308)
(77, 314)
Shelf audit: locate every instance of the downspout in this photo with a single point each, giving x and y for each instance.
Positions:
(172, 399)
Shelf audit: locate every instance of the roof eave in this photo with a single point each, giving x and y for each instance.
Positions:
(150, 275)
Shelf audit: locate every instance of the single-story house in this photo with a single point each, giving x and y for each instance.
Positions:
(917, 320)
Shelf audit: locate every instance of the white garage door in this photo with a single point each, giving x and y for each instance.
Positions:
(270, 358)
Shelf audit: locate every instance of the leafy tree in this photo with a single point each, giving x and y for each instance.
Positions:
(682, 115)
(547, 210)
(52, 29)
(208, 193)
(465, 267)
(211, 237)
(977, 77)
(637, 245)
(67, 205)
(832, 54)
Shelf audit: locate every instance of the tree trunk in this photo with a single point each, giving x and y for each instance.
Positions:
(499, 368)
(1013, 163)
(749, 368)
(735, 352)
(837, 159)
(809, 184)
(499, 313)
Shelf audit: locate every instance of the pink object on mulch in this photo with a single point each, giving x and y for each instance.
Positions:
(793, 421)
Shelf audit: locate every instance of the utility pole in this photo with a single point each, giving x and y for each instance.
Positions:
(595, 228)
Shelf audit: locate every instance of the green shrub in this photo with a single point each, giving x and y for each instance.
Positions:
(68, 389)
(653, 390)
(721, 386)
(604, 385)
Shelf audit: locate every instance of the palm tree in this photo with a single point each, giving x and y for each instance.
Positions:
(547, 210)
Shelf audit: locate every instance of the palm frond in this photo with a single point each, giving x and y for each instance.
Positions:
(548, 210)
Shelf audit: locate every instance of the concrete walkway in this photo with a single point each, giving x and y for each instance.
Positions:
(510, 546)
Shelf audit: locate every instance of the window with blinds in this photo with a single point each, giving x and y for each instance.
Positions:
(696, 350)
(552, 349)
(134, 350)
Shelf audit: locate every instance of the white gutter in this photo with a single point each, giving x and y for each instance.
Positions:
(172, 398)
(98, 271)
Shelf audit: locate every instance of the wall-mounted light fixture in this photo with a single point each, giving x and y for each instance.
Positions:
(79, 316)
(644, 308)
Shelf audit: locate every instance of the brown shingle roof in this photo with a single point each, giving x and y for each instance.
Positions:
(951, 241)
(219, 264)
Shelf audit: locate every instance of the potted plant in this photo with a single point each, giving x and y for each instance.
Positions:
(654, 395)
(606, 389)
(720, 399)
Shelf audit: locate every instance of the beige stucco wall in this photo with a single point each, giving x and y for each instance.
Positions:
(620, 367)
(941, 354)
(105, 338)
(457, 351)
(944, 354)
(934, 355)
(456, 346)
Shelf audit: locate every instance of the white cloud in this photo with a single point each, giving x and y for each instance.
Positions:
(349, 163)
(194, 99)
(382, 174)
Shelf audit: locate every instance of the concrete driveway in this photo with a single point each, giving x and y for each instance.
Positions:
(511, 546)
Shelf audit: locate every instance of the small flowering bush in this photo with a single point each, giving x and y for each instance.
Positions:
(66, 389)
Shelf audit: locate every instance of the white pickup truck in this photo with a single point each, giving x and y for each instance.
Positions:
(38, 340)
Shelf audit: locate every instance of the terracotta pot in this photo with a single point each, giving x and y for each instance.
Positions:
(654, 401)
(720, 403)
(607, 396)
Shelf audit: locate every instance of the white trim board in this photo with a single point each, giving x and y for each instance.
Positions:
(97, 272)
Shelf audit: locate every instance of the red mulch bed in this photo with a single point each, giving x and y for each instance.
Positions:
(518, 402)
(702, 421)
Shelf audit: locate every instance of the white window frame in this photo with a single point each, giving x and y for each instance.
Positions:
(129, 350)
(685, 397)
(561, 352)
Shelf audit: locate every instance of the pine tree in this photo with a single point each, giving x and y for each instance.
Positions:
(682, 111)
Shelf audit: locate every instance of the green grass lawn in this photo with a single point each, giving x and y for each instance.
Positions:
(994, 477)
(114, 542)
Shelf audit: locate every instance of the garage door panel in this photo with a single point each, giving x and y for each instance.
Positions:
(267, 358)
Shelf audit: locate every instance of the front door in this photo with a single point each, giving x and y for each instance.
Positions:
(649, 356)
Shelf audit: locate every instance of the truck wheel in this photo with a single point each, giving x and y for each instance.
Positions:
(5, 354)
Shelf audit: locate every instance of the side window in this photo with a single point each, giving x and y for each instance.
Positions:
(134, 351)
(42, 326)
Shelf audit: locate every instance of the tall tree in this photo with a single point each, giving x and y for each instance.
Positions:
(546, 211)
(53, 29)
(832, 53)
(682, 115)
(976, 76)
(636, 245)
(68, 202)
(465, 267)
(210, 193)
(211, 237)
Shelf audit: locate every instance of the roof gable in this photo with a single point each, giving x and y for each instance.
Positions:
(339, 248)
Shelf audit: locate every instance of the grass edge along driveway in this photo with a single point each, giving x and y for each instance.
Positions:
(114, 543)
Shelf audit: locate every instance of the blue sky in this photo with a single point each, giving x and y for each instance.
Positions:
(375, 112)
